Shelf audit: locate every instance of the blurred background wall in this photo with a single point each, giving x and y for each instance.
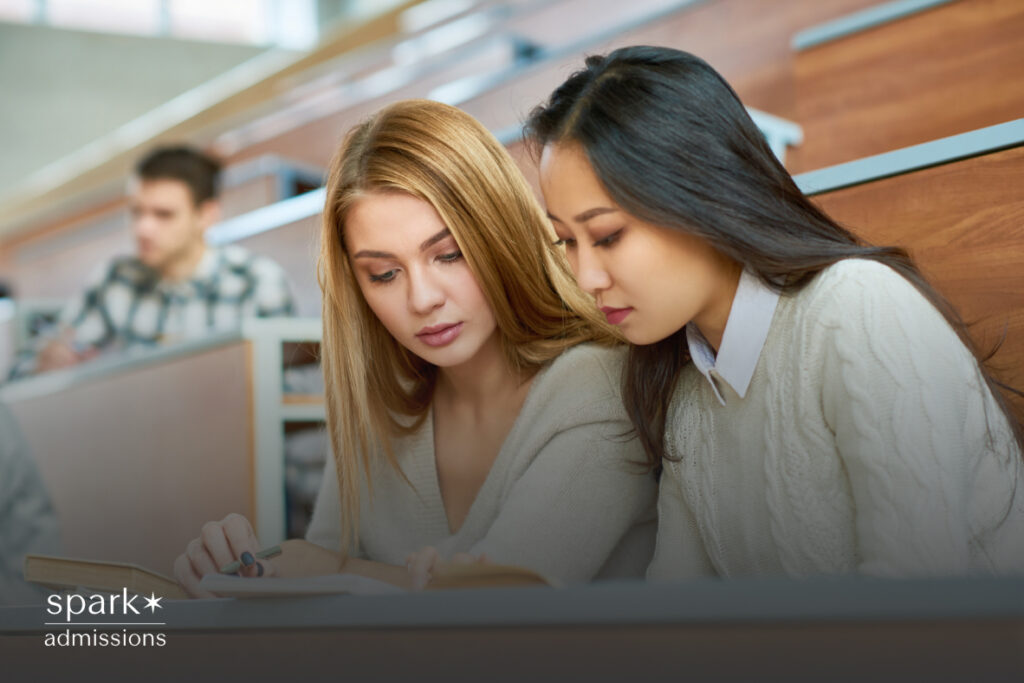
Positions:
(63, 88)
(270, 86)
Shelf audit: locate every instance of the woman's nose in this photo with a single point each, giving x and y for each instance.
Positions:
(425, 293)
(591, 274)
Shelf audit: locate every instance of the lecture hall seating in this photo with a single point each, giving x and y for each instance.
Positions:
(946, 68)
(963, 221)
(949, 69)
(868, 100)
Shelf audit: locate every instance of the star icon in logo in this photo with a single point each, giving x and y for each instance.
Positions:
(152, 602)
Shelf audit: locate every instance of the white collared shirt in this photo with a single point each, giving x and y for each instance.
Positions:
(746, 330)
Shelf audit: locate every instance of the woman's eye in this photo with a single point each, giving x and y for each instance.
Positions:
(609, 240)
(450, 257)
(566, 242)
(384, 277)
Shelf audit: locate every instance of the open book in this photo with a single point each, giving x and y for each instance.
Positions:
(231, 586)
(477, 575)
(445, 576)
(67, 573)
(70, 573)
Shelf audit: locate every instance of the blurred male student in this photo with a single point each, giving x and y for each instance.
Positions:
(175, 286)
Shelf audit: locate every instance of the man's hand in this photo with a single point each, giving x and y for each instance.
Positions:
(59, 353)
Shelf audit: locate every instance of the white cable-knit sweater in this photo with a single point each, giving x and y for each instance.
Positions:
(867, 442)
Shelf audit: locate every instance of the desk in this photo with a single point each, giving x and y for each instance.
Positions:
(841, 629)
(140, 449)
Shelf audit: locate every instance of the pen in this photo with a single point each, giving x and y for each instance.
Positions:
(233, 567)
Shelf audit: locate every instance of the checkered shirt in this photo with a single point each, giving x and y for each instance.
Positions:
(128, 305)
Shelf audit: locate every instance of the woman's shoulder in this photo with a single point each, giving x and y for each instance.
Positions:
(850, 289)
(581, 379)
(586, 364)
(866, 308)
(855, 275)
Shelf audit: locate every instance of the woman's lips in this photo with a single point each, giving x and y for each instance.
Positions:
(615, 315)
(439, 335)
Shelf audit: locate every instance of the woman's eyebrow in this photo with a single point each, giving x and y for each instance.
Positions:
(429, 242)
(369, 253)
(593, 213)
(586, 215)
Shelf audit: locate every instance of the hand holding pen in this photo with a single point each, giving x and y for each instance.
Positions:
(227, 546)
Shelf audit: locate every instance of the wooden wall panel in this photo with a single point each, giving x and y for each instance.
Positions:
(948, 70)
(87, 224)
(316, 141)
(748, 41)
(964, 223)
(555, 24)
(58, 264)
(136, 462)
(248, 196)
(564, 22)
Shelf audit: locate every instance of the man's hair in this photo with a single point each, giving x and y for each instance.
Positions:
(198, 171)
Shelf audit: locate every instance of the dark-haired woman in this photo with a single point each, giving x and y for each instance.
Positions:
(816, 406)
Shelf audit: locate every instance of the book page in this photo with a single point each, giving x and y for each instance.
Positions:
(242, 587)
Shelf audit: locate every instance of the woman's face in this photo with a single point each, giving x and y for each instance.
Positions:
(415, 279)
(649, 280)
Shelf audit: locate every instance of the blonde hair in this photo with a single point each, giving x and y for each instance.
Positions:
(376, 388)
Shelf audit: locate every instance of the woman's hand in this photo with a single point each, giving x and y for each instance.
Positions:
(232, 539)
(422, 563)
(220, 543)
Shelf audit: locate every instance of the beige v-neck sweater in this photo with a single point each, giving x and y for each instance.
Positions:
(561, 498)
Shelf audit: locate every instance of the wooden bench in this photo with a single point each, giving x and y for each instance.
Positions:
(962, 219)
(138, 451)
(950, 69)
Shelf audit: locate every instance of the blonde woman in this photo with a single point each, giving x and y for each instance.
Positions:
(472, 402)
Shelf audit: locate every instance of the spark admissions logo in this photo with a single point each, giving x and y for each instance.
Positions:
(97, 606)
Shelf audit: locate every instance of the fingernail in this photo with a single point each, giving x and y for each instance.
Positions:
(247, 558)
(259, 569)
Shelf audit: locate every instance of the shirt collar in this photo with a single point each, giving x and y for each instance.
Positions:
(746, 330)
(207, 265)
(201, 275)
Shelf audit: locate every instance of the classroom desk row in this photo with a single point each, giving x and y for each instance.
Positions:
(139, 449)
(827, 629)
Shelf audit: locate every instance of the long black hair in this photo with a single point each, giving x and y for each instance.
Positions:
(673, 145)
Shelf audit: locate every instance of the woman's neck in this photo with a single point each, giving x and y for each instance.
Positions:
(480, 382)
(713, 319)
